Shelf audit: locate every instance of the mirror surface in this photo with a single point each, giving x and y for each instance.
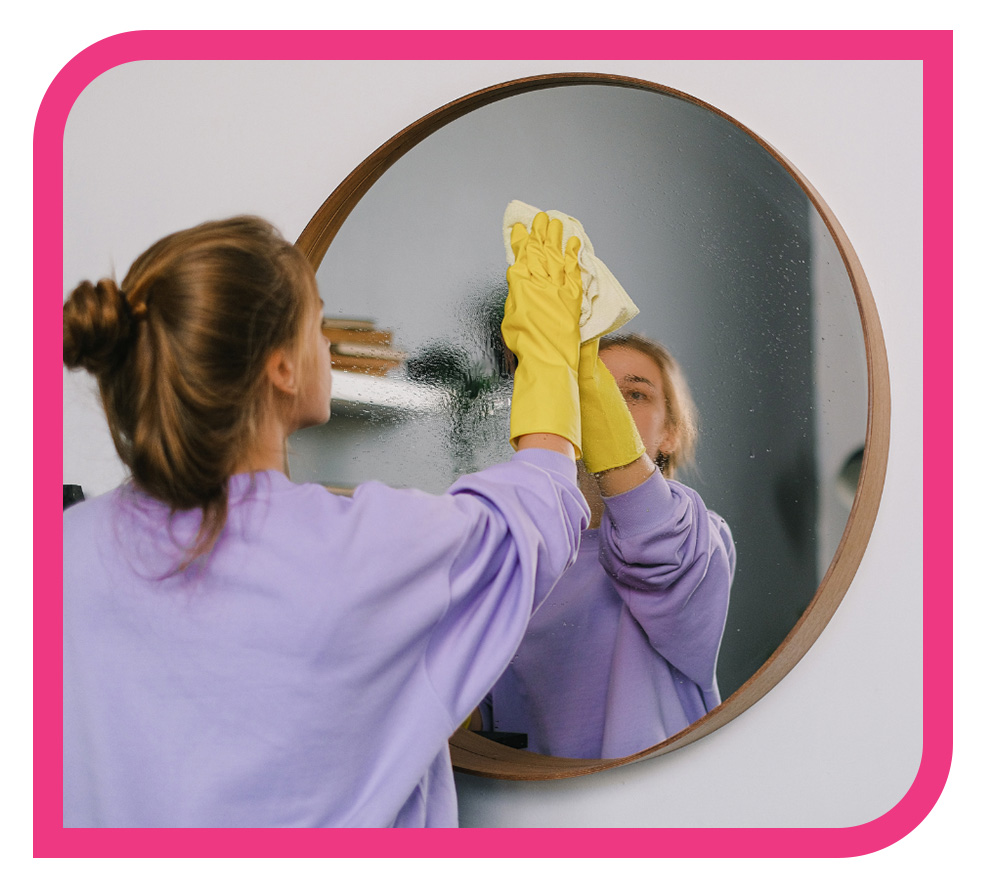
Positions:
(732, 268)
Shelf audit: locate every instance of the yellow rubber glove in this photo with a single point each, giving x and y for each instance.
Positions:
(541, 327)
(610, 438)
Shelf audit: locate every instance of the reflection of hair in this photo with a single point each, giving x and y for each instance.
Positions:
(179, 354)
(681, 410)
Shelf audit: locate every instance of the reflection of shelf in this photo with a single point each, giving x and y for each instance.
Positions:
(355, 392)
(358, 346)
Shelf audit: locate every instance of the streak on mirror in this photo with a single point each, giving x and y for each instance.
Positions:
(736, 264)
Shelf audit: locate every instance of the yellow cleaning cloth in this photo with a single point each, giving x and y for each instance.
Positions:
(606, 305)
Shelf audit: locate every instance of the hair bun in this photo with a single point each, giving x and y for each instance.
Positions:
(97, 324)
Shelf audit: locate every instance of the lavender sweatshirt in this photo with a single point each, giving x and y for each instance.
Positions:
(623, 653)
(310, 673)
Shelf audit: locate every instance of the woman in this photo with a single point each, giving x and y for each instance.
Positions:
(243, 651)
(623, 654)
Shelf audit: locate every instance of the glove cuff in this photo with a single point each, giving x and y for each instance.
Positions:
(546, 400)
(611, 446)
(610, 437)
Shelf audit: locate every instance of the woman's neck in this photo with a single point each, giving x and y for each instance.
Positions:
(268, 450)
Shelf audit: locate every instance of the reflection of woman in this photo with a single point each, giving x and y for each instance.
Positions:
(622, 655)
(243, 651)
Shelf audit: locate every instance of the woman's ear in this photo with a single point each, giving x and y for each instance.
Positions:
(282, 371)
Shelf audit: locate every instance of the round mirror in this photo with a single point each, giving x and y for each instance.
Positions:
(736, 265)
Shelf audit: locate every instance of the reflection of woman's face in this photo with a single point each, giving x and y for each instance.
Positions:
(641, 382)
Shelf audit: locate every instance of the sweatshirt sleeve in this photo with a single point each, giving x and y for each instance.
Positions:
(672, 562)
(524, 520)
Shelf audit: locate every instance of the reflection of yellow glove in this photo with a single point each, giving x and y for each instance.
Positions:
(541, 326)
(610, 438)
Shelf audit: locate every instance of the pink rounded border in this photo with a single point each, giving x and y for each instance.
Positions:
(933, 48)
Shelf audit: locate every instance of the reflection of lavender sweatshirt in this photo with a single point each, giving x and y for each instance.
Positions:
(623, 653)
(311, 672)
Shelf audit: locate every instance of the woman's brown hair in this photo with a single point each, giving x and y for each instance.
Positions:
(682, 414)
(179, 353)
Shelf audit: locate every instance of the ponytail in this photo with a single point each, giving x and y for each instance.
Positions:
(179, 355)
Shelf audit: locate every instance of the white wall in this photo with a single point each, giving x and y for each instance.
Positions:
(152, 147)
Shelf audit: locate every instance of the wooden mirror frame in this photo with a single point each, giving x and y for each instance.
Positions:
(479, 756)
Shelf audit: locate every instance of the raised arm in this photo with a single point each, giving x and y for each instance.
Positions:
(541, 327)
(672, 562)
(670, 559)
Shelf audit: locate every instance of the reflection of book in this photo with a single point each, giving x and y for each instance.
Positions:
(356, 346)
(339, 334)
(380, 352)
(374, 366)
(359, 325)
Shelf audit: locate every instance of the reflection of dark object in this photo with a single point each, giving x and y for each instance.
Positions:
(847, 479)
(447, 366)
(470, 383)
(72, 493)
(490, 307)
(477, 366)
(513, 740)
(472, 371)
(796, 502)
